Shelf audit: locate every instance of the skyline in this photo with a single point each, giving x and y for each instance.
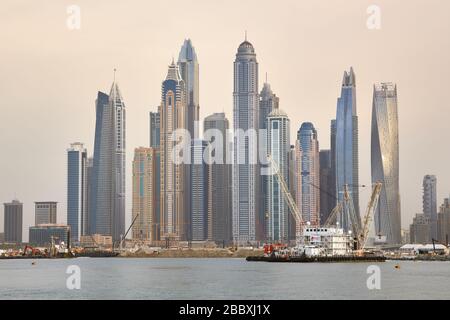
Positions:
(75, 121)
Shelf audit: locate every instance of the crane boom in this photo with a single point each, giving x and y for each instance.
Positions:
(371, 207)
(287, 195)
(333, 215)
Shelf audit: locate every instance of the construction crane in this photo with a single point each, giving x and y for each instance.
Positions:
(288, 197)
(371, 207)
(333, 215)
(126, 233)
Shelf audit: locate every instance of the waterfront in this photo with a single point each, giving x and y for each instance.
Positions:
(203, 279)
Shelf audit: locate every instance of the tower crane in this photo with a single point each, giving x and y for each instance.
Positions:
(371, 207)
(288, 197)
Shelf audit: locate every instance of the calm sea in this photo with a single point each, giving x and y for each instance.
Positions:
(125, 278)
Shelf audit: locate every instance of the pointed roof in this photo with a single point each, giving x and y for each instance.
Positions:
(173, 73)
(349, 78)
(187, 52)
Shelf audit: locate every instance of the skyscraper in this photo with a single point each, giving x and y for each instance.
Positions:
(89, 175)
(430, 203)
(327, 199)
(154, 129)
(189, 71)
(385, 161)
(175, 219)
(444, 222)
(45, 212)
(13, 221)
(245, 169)
(310, 174)
(144, 194)
(268, 101)
(77, 191)
(219, 182)
(199, 191)
(278, 146)
(347, 167)
(107, 215)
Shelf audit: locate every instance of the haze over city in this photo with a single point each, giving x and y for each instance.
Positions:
(51, 75)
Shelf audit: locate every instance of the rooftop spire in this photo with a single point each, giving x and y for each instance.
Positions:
(245, 35)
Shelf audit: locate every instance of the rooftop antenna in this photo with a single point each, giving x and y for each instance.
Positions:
(115, 74)
(245, 35)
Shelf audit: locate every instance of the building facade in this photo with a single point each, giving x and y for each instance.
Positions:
(175, 217)
(107, 213)
(199, 191)
(346, 148)
(155, 129)
(385, 161)
(145, 180)
(77, 209)
(327, 189)
(246, 188)
(309, 175)
(42, 235)
(444, 222)
(45, 212)
(419, 230)
(215, 127)
(278, 147)
(430, 203)
(13, 222)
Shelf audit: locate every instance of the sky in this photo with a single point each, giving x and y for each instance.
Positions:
(50, 75)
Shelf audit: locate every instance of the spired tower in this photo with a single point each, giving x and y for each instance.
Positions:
(174, 222)
(107, 212)
(245, 177)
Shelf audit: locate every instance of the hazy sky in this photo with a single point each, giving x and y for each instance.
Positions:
(50, 75)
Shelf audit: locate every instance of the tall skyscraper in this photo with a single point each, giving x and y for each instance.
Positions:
(219, 183)
(45, 212)
(385, 161)
(310, 174)
(347, 163)
(199, 191)
(77, 209)
(13, 221)
(189, 71)
(268, 101)
(430, 203)
(278, 146)
(245, 169)
(144, 194)
(154, 129)
(327, 189)
(107, 215)
(292, 189)
(444, 222)
(175, 219)
(89, 175)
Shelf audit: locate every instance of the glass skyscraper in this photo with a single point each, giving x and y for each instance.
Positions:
(278, 146)
(199, 191)
(77, 209)
(346, 148)
(430, 203)
(245, 170)
(308, 200)
(385, 161)
(107, 216)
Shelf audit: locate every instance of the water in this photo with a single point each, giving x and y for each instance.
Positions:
(126, 278)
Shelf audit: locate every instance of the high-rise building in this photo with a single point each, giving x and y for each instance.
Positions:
(219, 181)
(45, 212)
(385, 161)
(310, 174)
(154, 129)
(327, 189)
(444, 222)
(430, 203)
(89, 175)
(346, 148)
(420, 229)
(77, 208)
(199, 191)
(189, 71)
(292, 189)
(107, 212)
(268, 101)
(144, 182)
(245, 167)
(278, 146)
(13, 222)
(175, 218)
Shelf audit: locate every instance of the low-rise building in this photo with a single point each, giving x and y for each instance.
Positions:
(96, 241)
(41, 235)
